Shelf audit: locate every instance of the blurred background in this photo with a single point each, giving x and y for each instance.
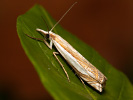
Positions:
(106, 25)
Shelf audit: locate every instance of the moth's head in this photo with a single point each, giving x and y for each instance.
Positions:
(46, 33)
(42, 31)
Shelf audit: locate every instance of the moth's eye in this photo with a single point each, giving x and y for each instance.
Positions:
(47, 35)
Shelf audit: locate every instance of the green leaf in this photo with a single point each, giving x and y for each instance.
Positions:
(50, 72)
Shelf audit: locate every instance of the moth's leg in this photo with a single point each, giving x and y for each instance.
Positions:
(54, 53)
(34, 38)
(51, 43)
(82, 81)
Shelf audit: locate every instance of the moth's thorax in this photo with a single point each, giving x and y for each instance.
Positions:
(52, 36)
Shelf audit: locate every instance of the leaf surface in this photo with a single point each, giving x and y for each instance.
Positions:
(118, 87)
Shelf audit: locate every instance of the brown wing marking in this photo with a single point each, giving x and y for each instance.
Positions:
(81, 60)
(89, 79)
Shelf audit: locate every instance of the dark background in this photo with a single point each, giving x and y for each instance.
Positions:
(106, 25)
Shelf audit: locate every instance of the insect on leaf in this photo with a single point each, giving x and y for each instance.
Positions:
(118, 87)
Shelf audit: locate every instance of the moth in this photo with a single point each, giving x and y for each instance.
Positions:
(83, 68)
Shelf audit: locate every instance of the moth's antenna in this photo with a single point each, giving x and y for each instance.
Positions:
(63, 16)
(45, 23)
